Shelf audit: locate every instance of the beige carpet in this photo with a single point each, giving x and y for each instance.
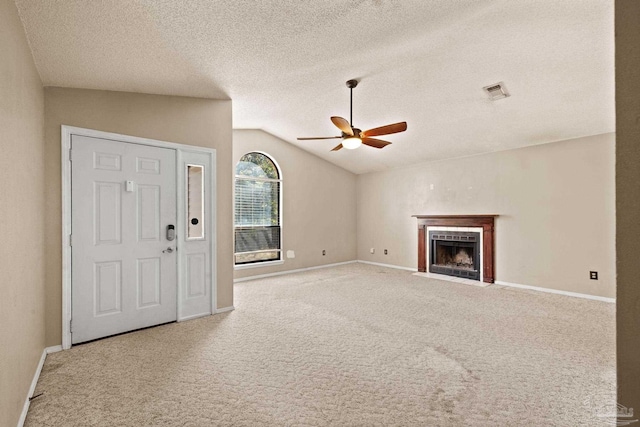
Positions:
(354, 345)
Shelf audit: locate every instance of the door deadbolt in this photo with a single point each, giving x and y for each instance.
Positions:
(171, 232)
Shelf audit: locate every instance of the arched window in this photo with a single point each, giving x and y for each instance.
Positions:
(257, 210)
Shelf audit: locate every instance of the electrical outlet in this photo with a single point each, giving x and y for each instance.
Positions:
(324, 252)
(593, 275)
(372, 250)
(385, 252)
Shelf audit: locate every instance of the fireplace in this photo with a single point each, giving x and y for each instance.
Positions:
(455, 253)
(483, 252)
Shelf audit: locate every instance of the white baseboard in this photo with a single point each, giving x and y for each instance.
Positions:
(556, 291)
(388, 265)
(224, 309)
(34, 382)
(299, 270)
(53, 349)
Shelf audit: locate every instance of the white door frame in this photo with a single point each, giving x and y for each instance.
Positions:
(66, 133)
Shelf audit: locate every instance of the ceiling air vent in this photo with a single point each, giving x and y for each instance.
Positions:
(496, 91)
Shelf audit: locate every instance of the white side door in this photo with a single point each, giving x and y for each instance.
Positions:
(123, 273)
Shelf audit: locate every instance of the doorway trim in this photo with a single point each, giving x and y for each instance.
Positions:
(66, 134)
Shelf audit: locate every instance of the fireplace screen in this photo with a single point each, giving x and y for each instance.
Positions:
(455, 254)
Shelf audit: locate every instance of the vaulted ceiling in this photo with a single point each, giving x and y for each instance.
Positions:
(284, 64)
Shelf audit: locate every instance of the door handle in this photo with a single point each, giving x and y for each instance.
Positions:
(168, 250)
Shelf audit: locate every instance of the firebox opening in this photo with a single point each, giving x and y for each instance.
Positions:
(449, 255)
(455, 254)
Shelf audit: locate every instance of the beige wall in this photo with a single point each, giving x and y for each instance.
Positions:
(555, 201)
(628, 201)
(192, 121)
(21, 216)
(319, 204)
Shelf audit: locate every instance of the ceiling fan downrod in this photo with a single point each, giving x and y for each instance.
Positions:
(351, 84)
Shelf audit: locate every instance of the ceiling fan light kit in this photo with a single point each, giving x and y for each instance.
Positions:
(352, 137)
(352, 143)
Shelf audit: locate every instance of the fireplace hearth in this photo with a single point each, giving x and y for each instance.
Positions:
(455, 254)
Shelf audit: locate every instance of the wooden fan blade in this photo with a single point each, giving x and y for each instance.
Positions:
(319, 137)
(377, 143)
(337, 147)
(342, 124)
(386, 130)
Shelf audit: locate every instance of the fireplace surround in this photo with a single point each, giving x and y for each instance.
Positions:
(486, 222)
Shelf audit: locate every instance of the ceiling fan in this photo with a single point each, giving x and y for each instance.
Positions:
(353, 137)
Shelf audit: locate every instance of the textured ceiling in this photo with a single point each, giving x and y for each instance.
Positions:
(284, 64)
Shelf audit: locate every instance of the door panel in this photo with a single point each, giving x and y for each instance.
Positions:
(148, 213)
(148, 282)
(121, 278)
(196, 275)
(107, 287)
(108, 213)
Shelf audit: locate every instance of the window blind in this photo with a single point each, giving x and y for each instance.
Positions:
(257, 202)
(257, 215)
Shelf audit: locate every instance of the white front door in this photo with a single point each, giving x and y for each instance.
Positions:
(123, 273)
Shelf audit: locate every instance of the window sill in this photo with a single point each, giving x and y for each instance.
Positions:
(258, 264)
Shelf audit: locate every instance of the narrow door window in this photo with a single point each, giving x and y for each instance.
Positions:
(195, 202)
